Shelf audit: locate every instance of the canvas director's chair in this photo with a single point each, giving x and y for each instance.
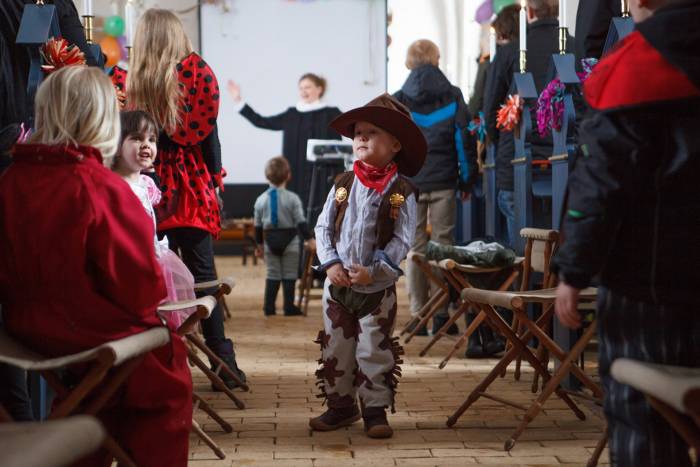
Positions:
(55, 443)
(674, 392)
(518, 302)
(107, 367)
(458, 276)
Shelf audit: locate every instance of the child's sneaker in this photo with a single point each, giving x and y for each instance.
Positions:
(332, 419)
(376, 424)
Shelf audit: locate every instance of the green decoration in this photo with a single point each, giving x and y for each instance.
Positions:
(114, 26)
(498, 5)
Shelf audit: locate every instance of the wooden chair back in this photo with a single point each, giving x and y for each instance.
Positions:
(540, 245)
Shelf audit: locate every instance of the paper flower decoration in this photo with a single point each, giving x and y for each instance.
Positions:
(508, 116)
(478, 127)
(57, 53)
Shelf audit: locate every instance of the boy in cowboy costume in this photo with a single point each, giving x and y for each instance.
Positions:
(366, 228)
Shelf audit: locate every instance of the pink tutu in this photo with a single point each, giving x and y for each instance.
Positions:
(180, 285)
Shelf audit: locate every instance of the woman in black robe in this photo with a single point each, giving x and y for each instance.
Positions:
(309, 119)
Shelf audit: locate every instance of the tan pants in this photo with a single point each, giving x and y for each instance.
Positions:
(358, 353)
(440, 209)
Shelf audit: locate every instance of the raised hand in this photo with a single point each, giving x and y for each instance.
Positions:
(234, 89)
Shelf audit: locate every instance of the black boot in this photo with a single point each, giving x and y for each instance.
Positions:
(271, 289)
(439, 322)
(492, 344)
(474, 347)
(332, 419)
(376, 424)
(225, 352)
(290, 309)
(421, 332)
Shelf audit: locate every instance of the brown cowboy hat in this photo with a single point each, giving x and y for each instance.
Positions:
(390, 115)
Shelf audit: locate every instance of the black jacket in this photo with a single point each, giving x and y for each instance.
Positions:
(542, 42)
(592, 24)
(476, 102)
(634, 203)
(297, 128)
(438, 108)
(14, 59)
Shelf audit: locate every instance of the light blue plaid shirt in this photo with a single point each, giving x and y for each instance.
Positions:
(358, 236)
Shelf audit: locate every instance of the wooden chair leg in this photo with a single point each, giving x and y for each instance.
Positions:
(420, 315)
(220, 365)
(215, 380)
(209, 410)
(602, 442)
(443, 330)
(117, 452)
(207, 440)
(471, 329)
(551, 386)
(443, 298)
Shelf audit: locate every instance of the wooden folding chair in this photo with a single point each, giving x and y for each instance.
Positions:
(307, 279)
(674, 392)
(457, 275)
(204, 306)
(518, 302)
(49, 444)
(98, 383)
(434, 303)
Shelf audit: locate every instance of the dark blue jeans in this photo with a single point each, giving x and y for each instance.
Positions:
(506, 204)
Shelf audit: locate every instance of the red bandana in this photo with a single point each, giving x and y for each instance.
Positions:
(372, 177)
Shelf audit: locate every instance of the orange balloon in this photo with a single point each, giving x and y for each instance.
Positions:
(111, 48)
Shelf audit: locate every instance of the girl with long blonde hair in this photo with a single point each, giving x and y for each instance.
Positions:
(73, 228)
(175, 85)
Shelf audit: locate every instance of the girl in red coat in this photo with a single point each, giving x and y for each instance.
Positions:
(78, 266)
(175, 85)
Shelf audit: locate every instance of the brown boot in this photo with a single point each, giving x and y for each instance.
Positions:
(376, 424)
(332, 419)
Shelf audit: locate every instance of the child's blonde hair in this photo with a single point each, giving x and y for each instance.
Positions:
(160, 44)
(422, 52)
(77, 105)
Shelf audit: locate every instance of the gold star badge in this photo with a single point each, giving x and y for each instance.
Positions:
(341, 194)
(396, 200)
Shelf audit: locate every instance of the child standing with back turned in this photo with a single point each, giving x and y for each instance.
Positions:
(279, 216)
(365, 230)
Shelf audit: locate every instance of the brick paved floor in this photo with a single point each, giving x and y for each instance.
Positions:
(279, 357)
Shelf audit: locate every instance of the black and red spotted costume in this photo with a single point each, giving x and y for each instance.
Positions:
(634, 218)
(189, 168)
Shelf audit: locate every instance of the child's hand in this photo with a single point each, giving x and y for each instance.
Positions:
(337, 275)
(235, 90)
(360, 275)
(311, 244)
(259, 251)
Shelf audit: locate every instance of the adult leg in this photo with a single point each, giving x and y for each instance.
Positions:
(506, 204)
(638, 435)
(197, 251)
(417, 282)
(442, 212)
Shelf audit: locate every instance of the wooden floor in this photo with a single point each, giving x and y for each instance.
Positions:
(279, 357)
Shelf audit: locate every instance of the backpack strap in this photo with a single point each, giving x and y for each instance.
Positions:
(389, 209)
(343, 184)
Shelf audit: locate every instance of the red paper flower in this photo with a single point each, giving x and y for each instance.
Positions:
(57, 53)
(509, 115)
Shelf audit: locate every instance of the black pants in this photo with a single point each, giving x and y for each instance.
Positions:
(638, 435)
(196, 249)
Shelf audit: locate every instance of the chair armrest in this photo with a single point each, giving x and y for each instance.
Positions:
(225, 283)
(208, 302)
(137, 344)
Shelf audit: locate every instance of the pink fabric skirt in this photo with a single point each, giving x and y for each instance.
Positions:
(180, 285)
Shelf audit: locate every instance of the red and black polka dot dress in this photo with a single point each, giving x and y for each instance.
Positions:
(188, 187)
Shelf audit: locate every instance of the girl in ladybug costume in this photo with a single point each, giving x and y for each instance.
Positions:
(176, 86)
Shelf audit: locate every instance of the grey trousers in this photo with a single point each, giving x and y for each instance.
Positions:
(285, 267)
(440, 209)
(358, 353)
